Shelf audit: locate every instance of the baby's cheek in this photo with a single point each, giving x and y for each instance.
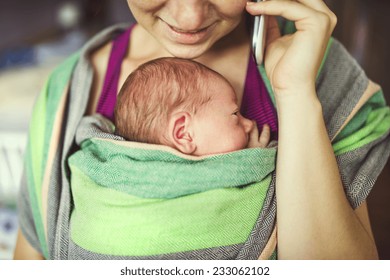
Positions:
(241, 142)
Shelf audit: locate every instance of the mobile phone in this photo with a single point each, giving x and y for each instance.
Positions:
(258, 37)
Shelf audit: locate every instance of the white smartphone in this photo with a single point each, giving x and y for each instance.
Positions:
(258, 37)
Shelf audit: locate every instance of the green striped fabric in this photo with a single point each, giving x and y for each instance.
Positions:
(370, 123)
(107, 221)
(141, 202)
(40, 131)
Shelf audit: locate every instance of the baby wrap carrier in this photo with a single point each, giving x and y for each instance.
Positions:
(88, 194)
(151, 201)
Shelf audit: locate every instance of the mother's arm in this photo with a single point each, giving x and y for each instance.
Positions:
(24, 251)
(315, 219)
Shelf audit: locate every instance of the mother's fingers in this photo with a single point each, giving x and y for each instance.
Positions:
(288, 9)
(305, 17)
(320, 6)
(273, 31)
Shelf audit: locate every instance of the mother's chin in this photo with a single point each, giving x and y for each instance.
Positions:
(186, 51)
(184, 46)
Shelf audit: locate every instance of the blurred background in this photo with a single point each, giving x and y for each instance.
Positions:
(37, 35)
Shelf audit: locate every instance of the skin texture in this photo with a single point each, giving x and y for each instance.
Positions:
(220, 127)
(168, 22)
(314, 218)
(24, 251)
(217, 126)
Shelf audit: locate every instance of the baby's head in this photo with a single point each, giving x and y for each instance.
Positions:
(182, 104)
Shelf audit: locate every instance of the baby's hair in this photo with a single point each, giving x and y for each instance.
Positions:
(154, 91)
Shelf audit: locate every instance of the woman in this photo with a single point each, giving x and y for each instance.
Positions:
(315, 217)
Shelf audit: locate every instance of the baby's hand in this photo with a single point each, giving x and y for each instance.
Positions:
(256, 141)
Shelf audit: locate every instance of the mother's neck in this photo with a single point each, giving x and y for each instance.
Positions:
(236, 41)
(230, 57)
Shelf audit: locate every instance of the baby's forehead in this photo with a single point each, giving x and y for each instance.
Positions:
(218, 87)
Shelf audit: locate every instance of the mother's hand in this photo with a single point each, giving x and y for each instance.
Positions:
(292, 61)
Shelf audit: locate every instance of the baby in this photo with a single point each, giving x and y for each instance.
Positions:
(185, 105)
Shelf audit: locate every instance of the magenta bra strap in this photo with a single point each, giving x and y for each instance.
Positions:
(107, 100)
(256, 103)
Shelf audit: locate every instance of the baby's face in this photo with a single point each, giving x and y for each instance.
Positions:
(218, 125)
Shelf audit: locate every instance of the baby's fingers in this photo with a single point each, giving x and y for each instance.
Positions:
(265, 136)
(259, 140)
(253, 136)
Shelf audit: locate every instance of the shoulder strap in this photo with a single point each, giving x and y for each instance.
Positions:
(108, 95)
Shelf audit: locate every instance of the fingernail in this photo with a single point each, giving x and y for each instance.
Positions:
(250, 3)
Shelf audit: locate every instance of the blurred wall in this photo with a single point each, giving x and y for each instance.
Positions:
(25, 22)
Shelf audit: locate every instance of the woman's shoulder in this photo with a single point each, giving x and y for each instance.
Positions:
(99, 46)
(96, 50)
(99, 57)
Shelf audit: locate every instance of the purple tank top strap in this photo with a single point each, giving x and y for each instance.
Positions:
(256, 102)
(109, 92)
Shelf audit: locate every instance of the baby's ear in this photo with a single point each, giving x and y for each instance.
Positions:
(180, 132)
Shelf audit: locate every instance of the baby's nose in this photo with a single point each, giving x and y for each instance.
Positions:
(248, 124)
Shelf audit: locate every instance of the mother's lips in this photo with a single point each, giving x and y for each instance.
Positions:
(187, 36)
(187, 31)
